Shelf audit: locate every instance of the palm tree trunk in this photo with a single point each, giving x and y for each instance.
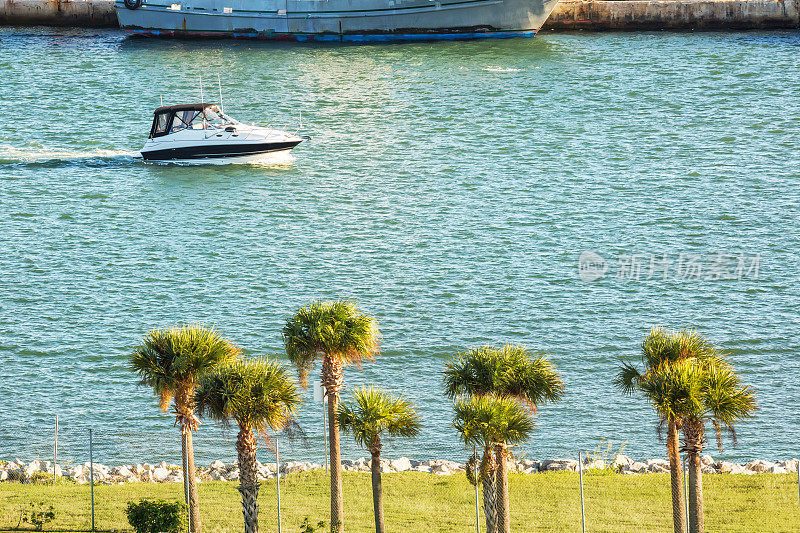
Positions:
(693, 434)
(183, 463)
(246, 445)
(186, 419)
(696, 522)
(503, 507)
(676, 478)
(191, 477)
(377, 488)
(490, 502)
(489, 482)
(337, 501)
(333, 379)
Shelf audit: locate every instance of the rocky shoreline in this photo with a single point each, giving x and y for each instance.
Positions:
(42, 471)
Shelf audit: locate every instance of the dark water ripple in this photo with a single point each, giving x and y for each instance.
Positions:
(449, 187)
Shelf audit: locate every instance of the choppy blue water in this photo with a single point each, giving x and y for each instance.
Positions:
(450, 188)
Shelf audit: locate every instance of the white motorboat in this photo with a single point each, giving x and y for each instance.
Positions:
(200, 133)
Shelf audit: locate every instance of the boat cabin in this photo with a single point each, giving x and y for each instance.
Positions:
(174, 118)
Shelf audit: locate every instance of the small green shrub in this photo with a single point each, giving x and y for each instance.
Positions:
(40, 477)
(38, 514)
(306, 527)
(156, 516)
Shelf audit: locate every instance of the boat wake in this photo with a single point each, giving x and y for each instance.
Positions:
(43, 156)
(36, 155)
(277, 160)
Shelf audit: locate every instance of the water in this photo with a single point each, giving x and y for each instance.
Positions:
(450, 188)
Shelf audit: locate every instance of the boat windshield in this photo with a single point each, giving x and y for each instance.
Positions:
(185, 119)
(216, 118)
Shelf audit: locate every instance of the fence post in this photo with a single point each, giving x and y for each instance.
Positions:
(477, 513)
(55, 451)
(320, 396)
(580, 478)
(91, 474)
(278, 478)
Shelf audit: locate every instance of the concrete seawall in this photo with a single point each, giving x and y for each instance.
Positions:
(74, 13)
(601, 15)
(627, 15)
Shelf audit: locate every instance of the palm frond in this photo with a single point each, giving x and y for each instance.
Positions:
(657, 347)
(688, 343)
(335, 329)
(257, 393)
(674, 390)
(460, 377)
(508, 370)
(373, 412)
(627, 379)
(726, 400)
(487, 420)
(179, 356)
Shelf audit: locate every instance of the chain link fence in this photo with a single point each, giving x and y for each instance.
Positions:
(126, 444)
(113, 449)
(60, 452)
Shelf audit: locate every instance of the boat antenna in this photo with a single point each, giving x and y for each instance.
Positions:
(301, 119)
(162, 100)
(201, 101)
(219, 84)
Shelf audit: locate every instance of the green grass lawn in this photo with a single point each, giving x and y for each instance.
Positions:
(424, 503)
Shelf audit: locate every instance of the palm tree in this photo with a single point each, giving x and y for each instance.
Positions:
(700, 392)
(172, 361)
(726, 402)
(259, 396)
(508, 371)
(372, 414)
(339, 334)
(661, 349)
(494, 422)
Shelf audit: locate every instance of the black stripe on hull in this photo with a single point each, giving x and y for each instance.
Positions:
(217, 151)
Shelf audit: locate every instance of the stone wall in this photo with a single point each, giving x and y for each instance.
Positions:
(631, 15)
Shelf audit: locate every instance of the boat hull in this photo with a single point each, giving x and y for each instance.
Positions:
(268, 158)
(238, 152)
(338, 20)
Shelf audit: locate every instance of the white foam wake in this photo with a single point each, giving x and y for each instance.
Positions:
(36, 153)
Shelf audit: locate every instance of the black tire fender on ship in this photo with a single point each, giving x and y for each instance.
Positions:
(132, 4)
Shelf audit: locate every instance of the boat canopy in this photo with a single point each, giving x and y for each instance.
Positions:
(182, 107)
(173, 118)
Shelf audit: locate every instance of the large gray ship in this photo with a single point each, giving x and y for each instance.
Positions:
(336, 20)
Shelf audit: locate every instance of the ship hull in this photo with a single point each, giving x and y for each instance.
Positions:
(242, 150)
(337, 20)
